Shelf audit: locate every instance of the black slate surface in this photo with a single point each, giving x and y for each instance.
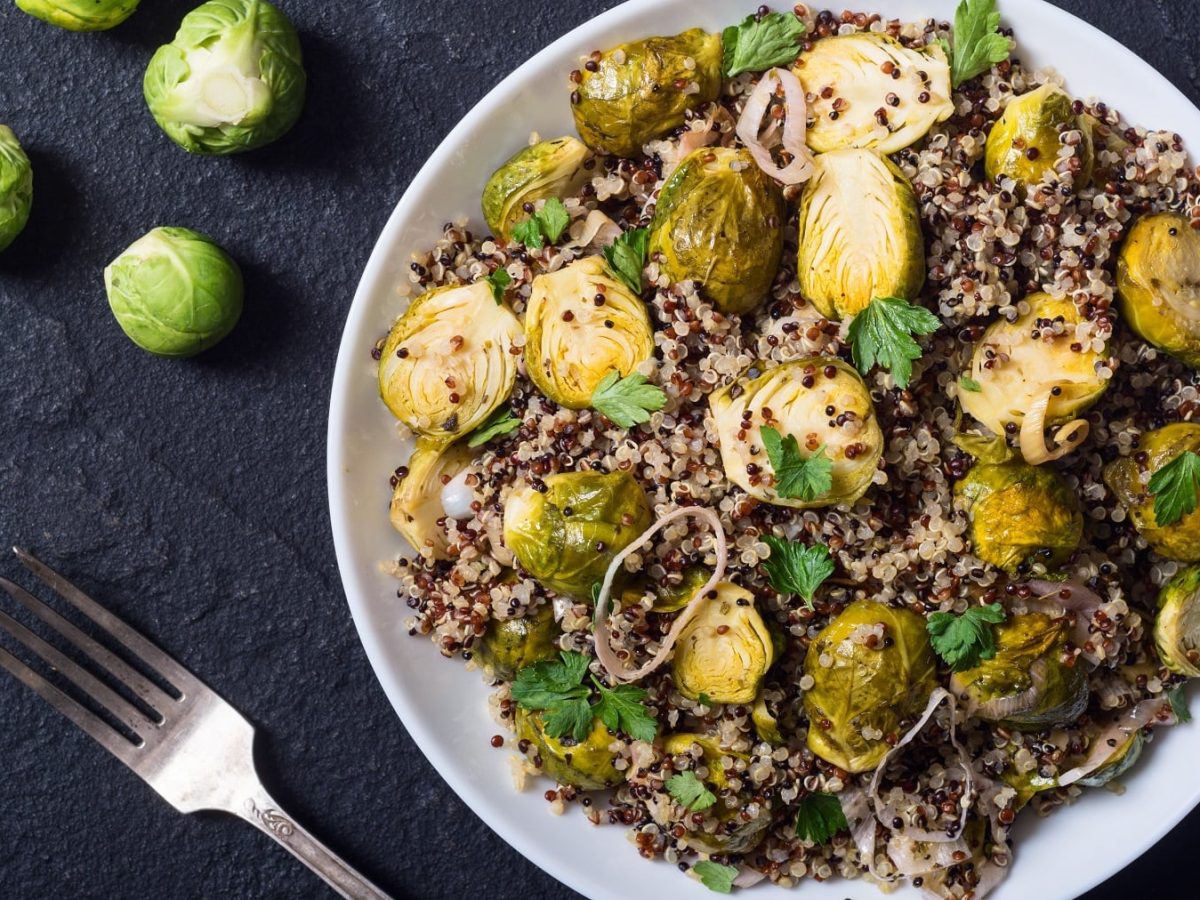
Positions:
(191, 495)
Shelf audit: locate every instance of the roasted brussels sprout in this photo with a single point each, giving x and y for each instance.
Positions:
(447, 362)
(668, 598)
(1026, 685)
(566, 535)
(232, 79)
(1020, 515)
(174, 292)
(16, 187)
(510, 645)
(1177, 625)
(1129, 480)
(872, 666)
(798, 394)
(588, 764)
(641, 90)
(81, 15)
(1025, 141)
(546, 169)
(718, 223)
(765, 724)
(724, 829)
(417, 498)
(725, 650)
(850, 78)
(1158, 282)
(860, 234)
(1121, 761)
(571, 343)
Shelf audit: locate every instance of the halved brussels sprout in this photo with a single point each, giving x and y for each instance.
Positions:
(447, 362)
(1158, 282)
(872, 667)
(729, 833)
(417, 498)
(571, 343)
(1020, 515)
(868, 90)
(546, 169)
(566, 535)
(860, 234)
(1177, 625)
(510, 645)
(1026, 685)
(718, 223)
(799, 396)
(1024, 143)
(1129, 480)
(16, 187)
(668, 598)
(639, 91)
(1121, 761)
(588, 764)
(765, 724)
(725, 650)
(80, 15)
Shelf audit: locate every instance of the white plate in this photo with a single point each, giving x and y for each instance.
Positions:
(443, 706)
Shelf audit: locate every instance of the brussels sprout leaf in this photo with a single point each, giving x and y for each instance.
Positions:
(969, 384)
(499, 423)
(547, 224)
(498, 281)
(882, 334)
(626, 257)
(977, 44)
(795, 568)
(627, 401)
(690, 791)
(755, 45)
(962, 641)
(716, 876)
(1174, 488)
(991, 450)
(819, 817)
(621, 709)
(1178, 701)
(797, 476)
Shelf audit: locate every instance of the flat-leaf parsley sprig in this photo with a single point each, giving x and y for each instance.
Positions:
(797, 476)
(882, 335)
(795, 568)
(964, 641)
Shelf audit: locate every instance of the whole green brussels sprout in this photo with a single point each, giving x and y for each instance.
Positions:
(16, 187)
(588, 764)
(725, 650)
(718, 223)
(566, 535)
(1158, 283)
(416, 503)
(510, 645)
(1024, 142)
(174, 292)
(546, 169)
(232, 79)
(641, 90)
(1177, 625)
(864, 685)
(859, 233)
(1020, 515)
(81, 15)
(1129, 480)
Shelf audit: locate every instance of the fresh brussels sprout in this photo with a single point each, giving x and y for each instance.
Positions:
(725, 650)
(510, 645)
(1024, 142)
(641, 90)
(571, 343)
(16, 187)
(174, 292)
(232, 79)
(1017, 364)
(1027, 684)
(1122, 760)
(1020, 515)
(588, 764)
(1177, 625)
(865, 684)
(850, 78)
(1129, 481)
(1158, 282)
(717, 223)
(860, 234)
(732, 833)
(546, 169)
(566, 535)
(417, 498)
(797, 395)
(668, 598)
(81, 15)
(446, 364)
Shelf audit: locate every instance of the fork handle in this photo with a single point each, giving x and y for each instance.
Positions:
(261, 811)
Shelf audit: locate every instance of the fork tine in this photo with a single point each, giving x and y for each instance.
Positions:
(149, 653)
(87, 721)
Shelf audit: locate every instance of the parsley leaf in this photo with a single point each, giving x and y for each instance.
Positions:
(977, 45)
(795, 568)
(546, 684)
(547, 224)
(690, 791)
(498, 281)
(556, 687)
(621, 709)
(573, 717)
(626, 257)
(627, 401)
(819, 817)
(704, 699)
(1174, 488)
(969, 384)
(963, 641)
(1178, 701)
(529, 233)
(755, 45)
(499, 423)
(882, 334)
(715, 876)
(795, 475)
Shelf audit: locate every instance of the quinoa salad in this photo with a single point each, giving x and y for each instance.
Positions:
(804, 451)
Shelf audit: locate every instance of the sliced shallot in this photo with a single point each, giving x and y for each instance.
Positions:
(1033, 437)
(1147, 712)
(791, 135)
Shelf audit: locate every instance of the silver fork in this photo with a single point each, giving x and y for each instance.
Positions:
(199, 753)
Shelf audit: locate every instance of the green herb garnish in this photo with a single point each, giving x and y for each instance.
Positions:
(556, 688)
(882, 335)
(626, 257)
(704, 699)
(797, 476)
(498, 281)
(977, 44)
(969, 384)
(715, 876)
(963, 641)
(819, 817)
(621, 709)
(755, 45)
(1178, 701)
(1174, 488)
(796, 568)
(690, 791)
(547, 224)
(627, 401)
(500, 422)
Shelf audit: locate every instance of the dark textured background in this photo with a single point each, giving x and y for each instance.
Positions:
(191, 495)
